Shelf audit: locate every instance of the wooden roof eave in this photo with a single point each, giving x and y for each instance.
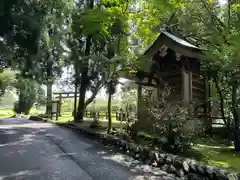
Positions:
(187, 51)
(133, 77)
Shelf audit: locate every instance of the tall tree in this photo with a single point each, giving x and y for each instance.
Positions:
(94, 35)
(84, 73)
(49, 59)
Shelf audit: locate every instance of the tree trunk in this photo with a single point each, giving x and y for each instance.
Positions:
(236, 117)
(109, 109)
(84, 84)
(94, 93)
(49, 98)
(221, 98)
(75, 90)
(81, 102)
(49, 87)
(84, 76)
(75, 99)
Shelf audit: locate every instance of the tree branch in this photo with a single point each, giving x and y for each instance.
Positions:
(229, 13)
(98, 86)
(215, 20)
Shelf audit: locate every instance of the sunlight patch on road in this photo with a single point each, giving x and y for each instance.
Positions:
(16, 143)
(20, 174)
(149, 172)
(27, 125)
(102, 152)
(119, 158)
(64, 154)
(10, 132)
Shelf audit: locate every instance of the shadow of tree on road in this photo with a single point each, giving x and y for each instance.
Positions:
(92, 154)
(34, 150)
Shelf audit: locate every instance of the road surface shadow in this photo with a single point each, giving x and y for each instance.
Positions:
(92, 152)
(44, 151)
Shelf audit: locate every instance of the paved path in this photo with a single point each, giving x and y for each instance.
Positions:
(42, 151)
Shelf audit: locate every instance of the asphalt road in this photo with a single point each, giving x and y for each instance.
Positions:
(42, 151)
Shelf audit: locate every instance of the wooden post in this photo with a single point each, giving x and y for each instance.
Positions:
(139, 96)
(205, 98)
(190, 86)
(120, 116)
(207, 106)
(98, 115)
(185, 86)
(58, 109)
(209, 103)
(60, 104)
(124, 116)
(190, 93)
(117, 116)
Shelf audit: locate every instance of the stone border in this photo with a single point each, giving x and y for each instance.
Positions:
(182, 167)
(37, 118)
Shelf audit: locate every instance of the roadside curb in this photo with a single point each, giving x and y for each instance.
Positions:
(37, 118)
(182, 167)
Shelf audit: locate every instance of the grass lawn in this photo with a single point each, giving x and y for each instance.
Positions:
(6, 112)
(65, 117)
(207, 150)
(87, 121)
(217, 153)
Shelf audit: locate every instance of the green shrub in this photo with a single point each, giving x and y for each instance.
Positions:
(26, 96)
(95, 124)
(168, 122)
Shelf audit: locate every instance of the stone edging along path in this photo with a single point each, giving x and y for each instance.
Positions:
(182, 167)
(166, 162)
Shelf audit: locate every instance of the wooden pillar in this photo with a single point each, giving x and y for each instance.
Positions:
(190, 79)
(190, 86)
(58, 109)
(207, 106)
(139, 96)
(185, 86)
(209, 102)
(205, 98)
(60, 104)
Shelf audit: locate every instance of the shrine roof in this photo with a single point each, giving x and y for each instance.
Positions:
(175, 43)
(179, 40)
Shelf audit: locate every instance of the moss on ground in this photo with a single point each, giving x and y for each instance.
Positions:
(216, 152)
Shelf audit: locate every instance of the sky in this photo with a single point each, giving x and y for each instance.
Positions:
(223, 1)
(67, 75)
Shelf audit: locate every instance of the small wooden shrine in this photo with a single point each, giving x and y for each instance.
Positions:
(175, 62)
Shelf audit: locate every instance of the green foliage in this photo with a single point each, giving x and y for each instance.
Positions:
(129, 96)
(40, 96)
(101, 106)
(215, 27)
(27, 24)
(168, 123)
(22, 20)
(7, 80)
(27, 96)
(8, 99)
